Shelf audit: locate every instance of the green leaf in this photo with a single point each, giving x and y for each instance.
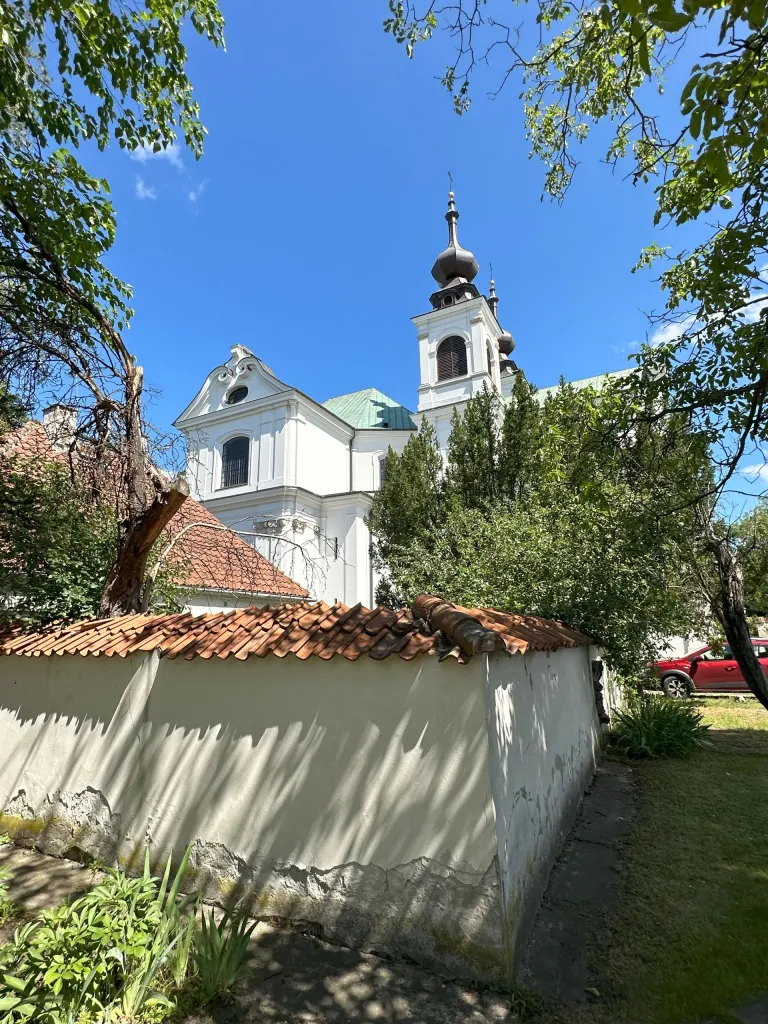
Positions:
(671, 21)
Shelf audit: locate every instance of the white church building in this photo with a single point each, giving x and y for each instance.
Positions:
(296, 477)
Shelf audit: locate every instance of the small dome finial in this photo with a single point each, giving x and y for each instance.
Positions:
(454, 261)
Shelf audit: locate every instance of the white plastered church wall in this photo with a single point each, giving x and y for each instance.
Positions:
(369, 447)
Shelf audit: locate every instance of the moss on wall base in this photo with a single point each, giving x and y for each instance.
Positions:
(20, 829)
(80, 826)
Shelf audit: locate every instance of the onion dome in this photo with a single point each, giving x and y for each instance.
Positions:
(454, 262)
(506, 343)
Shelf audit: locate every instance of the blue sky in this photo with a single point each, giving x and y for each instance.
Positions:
(308, 229)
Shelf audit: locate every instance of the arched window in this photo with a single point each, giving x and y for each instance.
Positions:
(382, 469)
(451, 358)
(234, 462)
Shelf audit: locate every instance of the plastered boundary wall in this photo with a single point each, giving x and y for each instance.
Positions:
(544, 741)
(353, 797)
(412, 808)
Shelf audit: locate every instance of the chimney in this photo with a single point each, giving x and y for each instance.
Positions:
(60, 424)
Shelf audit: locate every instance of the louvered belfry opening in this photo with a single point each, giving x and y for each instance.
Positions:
(451, 358)
(234, 462)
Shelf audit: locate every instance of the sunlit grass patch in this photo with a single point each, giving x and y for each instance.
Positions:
(689, 935)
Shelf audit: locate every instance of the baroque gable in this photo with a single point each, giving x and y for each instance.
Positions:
(243, 379)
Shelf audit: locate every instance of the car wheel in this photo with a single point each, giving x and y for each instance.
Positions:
(675, 687)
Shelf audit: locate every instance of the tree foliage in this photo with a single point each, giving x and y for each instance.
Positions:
(582, 64)
(56, 545)
(93, 71)
(58, 534)
(564, 532)
(750, 535)
(705, 153)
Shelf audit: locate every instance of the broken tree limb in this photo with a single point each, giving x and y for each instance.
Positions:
(123, 589)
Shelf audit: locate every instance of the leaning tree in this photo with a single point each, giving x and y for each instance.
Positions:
(98, 72)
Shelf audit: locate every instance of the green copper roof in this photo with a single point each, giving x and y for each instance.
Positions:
(597, 383)
(371, 409)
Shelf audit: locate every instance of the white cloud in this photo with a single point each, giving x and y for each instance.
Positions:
(144, 191)
(671, 332)
(757, 302)
(758, 470)
(626, 349)
(196, 193)
(171, 153)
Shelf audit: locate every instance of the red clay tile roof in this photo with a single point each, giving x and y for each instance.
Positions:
(30, 441)
(207, 555)
(303, 629)
(523, 633)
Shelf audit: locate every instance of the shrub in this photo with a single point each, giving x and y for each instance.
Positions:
(100, 954)
(654, 726)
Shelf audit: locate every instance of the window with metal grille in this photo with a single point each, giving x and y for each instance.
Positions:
(451, 358)
(234, 462)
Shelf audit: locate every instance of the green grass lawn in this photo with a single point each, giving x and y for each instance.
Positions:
(688, 937)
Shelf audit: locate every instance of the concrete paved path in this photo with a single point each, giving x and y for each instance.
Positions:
(581, 888)
(752, 1013)
(297, 978)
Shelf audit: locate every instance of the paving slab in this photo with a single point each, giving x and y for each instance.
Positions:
(40, 882)
(581, 888)
(299, 978)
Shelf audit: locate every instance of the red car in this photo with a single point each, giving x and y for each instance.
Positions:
(703, 671)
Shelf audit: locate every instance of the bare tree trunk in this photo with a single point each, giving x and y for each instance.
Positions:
(727, 603)
(151, 504)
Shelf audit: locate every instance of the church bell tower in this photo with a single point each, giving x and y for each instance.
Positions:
(462, 346)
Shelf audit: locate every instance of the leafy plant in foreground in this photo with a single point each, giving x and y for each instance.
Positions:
(101, 955)
(655, 726)
(220, 951)
(122, 952)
